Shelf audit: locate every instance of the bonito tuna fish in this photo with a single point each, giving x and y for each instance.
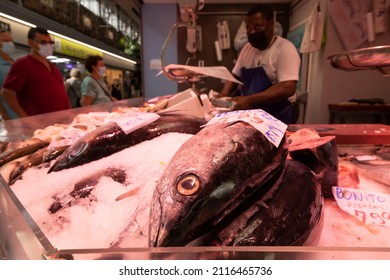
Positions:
(209, 178)
(110, 138)
(289, 214)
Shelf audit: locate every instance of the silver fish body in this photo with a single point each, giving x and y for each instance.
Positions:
(43, 155)
(27, 147)
(34, 159)
(208, 178)
(110, 139)
(377, 171)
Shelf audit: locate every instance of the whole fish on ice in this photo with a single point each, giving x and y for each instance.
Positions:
(43, 155)
(209, 178)
(110, 138)
(375, 170)
(289, 214)
(21, 149)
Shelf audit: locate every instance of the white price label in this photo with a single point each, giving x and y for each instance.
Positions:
(272, 128)
(369, 207)
(134, 120)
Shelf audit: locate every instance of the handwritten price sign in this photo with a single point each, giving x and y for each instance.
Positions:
(272, 128)
(369, 207)
(134, 120)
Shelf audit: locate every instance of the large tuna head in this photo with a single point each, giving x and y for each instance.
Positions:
(207, 179)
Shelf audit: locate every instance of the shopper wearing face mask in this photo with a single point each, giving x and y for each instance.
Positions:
(7, 48)
(34, 85)
(94, 89)
(268, 66)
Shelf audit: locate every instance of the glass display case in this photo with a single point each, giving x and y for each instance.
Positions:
(22, 238)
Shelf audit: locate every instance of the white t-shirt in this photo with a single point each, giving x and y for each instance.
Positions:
(281, 61)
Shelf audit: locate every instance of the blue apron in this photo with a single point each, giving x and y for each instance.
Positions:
(256, 80)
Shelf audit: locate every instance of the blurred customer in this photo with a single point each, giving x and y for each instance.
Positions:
(127, 87)
(136, 87)
(34, 85)
(7, 48)
(73, 87)
(94, 89)
(116, 90)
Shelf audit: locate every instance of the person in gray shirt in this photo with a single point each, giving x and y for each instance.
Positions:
(73, 87)
(94, 89)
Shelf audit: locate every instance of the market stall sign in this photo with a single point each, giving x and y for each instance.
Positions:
(131, 121)
(369, 207)
(272, 128)
(70, 48)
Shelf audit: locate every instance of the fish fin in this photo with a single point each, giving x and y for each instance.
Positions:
(128, 194)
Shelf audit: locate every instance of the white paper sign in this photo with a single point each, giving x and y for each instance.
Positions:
(349, 16)
(272, 128)
(369, 207)
(219, 72)
(312, 37)
(134, 120)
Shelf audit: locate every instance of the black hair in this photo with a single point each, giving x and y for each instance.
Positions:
(92, 60)
(263, 9)
(35, 30)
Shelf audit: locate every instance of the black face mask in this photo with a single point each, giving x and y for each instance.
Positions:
(258, 40)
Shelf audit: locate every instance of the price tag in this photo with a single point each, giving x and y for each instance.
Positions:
(369, 207)
(131, 121)
(272, 128)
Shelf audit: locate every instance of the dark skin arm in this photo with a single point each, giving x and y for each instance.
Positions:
(228, 89)
(278, 92)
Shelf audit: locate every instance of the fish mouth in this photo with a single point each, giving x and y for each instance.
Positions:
(155, 219)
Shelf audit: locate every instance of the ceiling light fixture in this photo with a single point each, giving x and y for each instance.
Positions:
(68, 38)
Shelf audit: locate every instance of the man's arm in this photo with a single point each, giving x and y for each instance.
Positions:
(228, 89)
(10, 97)
(278, 92)
(3, 112)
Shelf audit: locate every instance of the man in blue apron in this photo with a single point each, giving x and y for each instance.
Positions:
(268, 65)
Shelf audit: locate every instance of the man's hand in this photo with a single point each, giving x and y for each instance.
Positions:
(242, 103)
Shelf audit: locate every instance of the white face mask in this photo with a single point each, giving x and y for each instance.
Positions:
(8, 47)
(45, 50)
(102, 71)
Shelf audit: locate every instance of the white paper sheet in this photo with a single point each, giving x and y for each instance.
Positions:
(219, 72)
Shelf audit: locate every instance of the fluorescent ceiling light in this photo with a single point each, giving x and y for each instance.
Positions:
(18, 20)
(70, 39)
(60, 60)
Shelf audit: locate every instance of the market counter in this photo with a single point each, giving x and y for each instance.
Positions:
(351, 134)
(340, 112)
(22, 237)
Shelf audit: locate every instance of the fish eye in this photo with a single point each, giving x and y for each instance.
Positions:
(188, 185)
